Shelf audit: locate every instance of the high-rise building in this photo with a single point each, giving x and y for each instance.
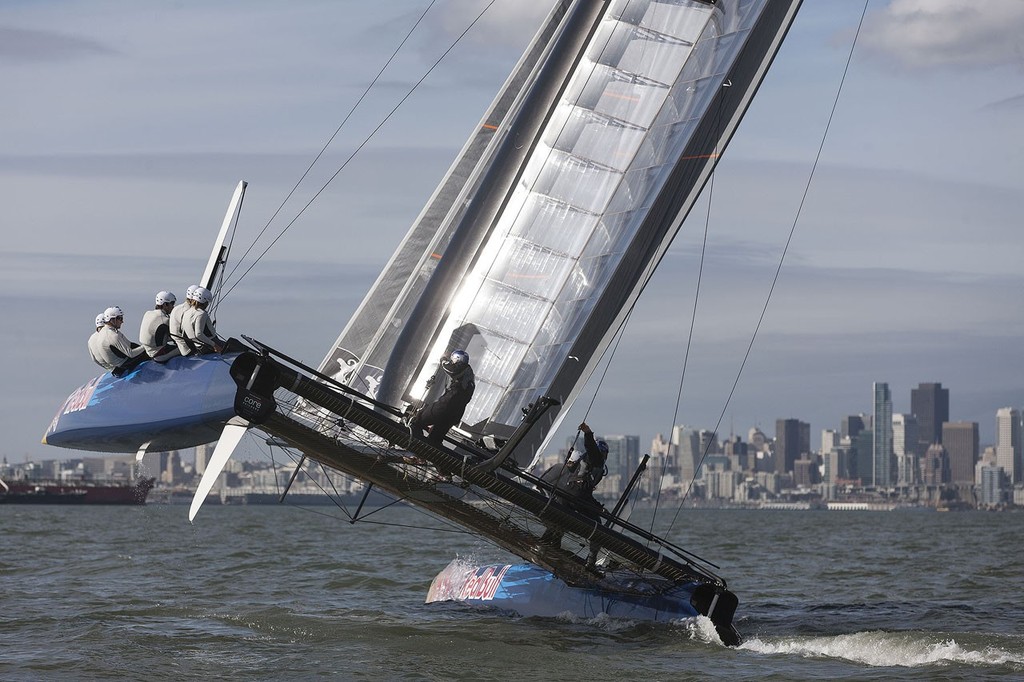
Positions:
(991, 488)
(961, 442)
(790, 435)
(935, 466)
(881, 441)
(904, 446)
(829, 440)
(861, 460)
(203, 454)
(851, 426)
(930, 404)
(687, 447)
(623, 455)
(1008, 443)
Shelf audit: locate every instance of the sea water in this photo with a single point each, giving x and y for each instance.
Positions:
(280, 592)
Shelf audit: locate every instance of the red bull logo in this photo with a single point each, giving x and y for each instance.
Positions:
(483, 585)
(79, 400)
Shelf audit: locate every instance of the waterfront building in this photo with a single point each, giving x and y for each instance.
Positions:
(990, 488)
(961, 442)
(861, 461)
(930, 404)
(805, 472)
(203, 454)
(1008, 443)
(935, 466)
(792, 439)
(758, 441)
(687, 445)
(881, 442)
(736, 450)
(904, 447)
(623, 455)
(851, 426)
(829, 440)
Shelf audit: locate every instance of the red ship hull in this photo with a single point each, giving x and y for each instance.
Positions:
(50, 492)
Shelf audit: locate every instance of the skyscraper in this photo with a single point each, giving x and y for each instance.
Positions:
(881, 441)
(1008, 443)
(930, 404)
(789, 436)
(904, 446)
(623, 455)
(851, 426)
(961, 442)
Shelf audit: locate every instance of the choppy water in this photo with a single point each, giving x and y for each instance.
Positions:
(284, 593)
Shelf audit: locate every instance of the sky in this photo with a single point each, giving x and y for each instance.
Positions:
(126, 126)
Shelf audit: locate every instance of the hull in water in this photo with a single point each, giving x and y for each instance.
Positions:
(53, 492)
(532, 591)
(179, 404)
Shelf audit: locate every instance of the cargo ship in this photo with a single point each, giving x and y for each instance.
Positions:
(76, 492)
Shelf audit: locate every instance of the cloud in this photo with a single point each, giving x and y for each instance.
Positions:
(928, 34)
(24, 45)
(501, 25)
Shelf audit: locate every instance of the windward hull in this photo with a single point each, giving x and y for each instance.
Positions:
(179, 404)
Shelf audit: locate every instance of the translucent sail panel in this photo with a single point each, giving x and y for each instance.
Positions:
(595, 132)
(577, 218)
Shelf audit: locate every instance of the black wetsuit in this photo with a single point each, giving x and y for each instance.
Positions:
(446, 411)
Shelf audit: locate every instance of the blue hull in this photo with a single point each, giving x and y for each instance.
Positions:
(531, 591)
(179, 404)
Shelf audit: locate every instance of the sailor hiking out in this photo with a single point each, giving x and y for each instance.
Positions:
(154, 332)
(175, 321)
(445, 412)
(111, 349)
(198, 327)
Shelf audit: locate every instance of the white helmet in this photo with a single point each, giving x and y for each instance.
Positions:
(112, 313)
(202, 295)
(191, 290)
(459, 357)
(165, 297)
(99, 320)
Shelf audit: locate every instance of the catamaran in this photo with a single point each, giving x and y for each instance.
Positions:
(529, 255)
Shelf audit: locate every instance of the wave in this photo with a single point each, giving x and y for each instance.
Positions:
(892, 649)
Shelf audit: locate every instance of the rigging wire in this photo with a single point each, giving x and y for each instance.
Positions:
(689, 337)
(335, 134)
(362, 144)
(782, 257)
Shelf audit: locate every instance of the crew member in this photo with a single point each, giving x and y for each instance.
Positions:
(113, 350)
(154, 333)
(175, 322)
(578, 477)
(199, 327)
(445, 412)
(587, 467)
(95, 342)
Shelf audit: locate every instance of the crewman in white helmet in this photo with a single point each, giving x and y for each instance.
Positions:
(155, 332)
(113, 350)
(199, 327)
(175, 322)
(94, 341)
